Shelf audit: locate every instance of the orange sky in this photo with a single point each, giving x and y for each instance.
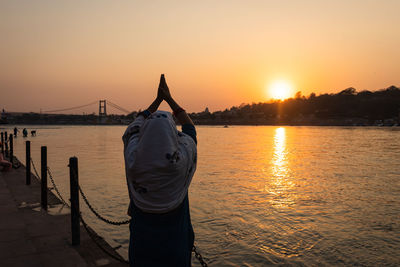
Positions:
(215, 54)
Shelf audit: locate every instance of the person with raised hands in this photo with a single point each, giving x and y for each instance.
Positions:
(160, 162)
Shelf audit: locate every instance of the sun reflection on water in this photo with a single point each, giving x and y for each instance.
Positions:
(280, 183)
(279, 161)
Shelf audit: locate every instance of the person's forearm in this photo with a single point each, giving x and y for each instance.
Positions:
(182, 117)
(154, 106)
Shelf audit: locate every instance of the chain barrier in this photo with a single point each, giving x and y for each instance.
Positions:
(93, 237)
(90, 233)
(34, 168)
(197, 254)
(56, 189)
(194, 249)
(98, 215)
(86, 201)
(199, 257)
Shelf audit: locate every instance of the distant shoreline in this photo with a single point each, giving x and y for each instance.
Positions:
(346, 108)
(201, 124)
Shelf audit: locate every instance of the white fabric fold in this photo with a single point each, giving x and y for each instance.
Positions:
(160, 162)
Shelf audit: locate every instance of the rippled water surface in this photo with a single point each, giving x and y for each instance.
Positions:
(261, 195)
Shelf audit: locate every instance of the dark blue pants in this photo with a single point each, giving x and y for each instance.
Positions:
(161, 239)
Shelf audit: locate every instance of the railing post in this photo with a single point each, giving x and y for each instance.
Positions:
(74, 190)
(44, 177)
(2, 143)
(5, 144)
(28, 162)
(11, 150)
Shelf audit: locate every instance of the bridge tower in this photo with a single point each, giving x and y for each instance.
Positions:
(102, 108)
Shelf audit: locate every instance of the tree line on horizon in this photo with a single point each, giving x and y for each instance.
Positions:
(348, 107)
(366, 106)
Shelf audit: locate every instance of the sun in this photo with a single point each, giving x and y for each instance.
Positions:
(280, 90)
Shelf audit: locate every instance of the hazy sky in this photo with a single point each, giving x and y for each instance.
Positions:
(56, 54)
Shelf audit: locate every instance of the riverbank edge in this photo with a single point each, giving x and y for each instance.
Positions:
(89, 249)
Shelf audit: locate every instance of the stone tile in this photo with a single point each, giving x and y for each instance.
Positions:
(16, 248)
(7, 208)
(11, 235)
(6, 199)
(30, 236)
(62, 258)
(50, 242)
(9, 222)
(4, 192)
(33, 215)
(31, 260)
(36, 230)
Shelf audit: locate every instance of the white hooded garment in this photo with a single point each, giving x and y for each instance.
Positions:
(160, 162)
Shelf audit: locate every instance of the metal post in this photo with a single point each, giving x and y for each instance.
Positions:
(74, 190)
(6, 144)
(44, 178)
(11, 149)
(28, 162)
(2, 143)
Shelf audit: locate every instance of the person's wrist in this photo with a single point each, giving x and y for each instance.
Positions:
(178, 111)
(168, 99)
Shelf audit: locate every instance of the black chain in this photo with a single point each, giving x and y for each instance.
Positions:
(34, 168)
(196, 253)
(56, 189)
(98, 215)
(91, 235)
(199, 257)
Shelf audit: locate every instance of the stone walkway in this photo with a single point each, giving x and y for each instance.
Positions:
(33, 237)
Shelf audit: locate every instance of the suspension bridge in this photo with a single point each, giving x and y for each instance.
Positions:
(102, 104)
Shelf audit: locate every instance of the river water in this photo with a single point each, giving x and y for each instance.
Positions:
(297, 196)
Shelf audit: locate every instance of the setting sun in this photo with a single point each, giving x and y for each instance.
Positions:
(280, 90)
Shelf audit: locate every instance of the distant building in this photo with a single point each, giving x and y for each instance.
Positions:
(206, 110)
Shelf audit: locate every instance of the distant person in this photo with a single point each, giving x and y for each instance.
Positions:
(160, 162)
(15, 131)
(33, 133)
(25, 132)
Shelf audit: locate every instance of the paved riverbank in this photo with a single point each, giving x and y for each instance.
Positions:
(31, 237)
